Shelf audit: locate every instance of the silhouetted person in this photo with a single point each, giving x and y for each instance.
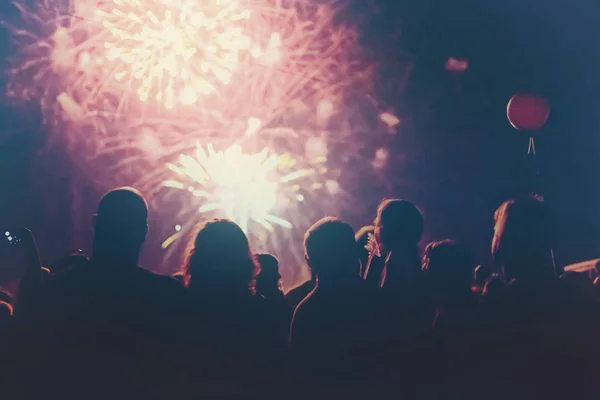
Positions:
(268, 285)
(110, 317)
(398, 230)
(268, 280)
(334, 330)
(333, 318)
(362, 238)
(230, 321)
(524, 235)
(538, 324)
(449, 273)
(21, 272)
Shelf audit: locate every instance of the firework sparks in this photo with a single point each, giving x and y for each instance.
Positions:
(173, 51)
(389, 119)
(274, 195)
(279, 71)
(130, 84)
(106, 54)
(243, 187)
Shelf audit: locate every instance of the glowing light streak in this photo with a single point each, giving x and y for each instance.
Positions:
(244, 187)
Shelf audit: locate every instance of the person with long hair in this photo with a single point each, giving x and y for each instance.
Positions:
(398, 230)
(537, 322)
(220, 262)
(524, 236)
(395, 266)
(228, 318)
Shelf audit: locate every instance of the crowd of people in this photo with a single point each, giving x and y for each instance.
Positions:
(378, 317)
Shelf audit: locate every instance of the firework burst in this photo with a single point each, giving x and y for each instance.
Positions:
(128, 86)
(171, 52)
(238, 185)
(254, 189)
(211, 60)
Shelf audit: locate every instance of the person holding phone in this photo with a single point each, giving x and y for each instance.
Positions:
(21, 270)
(109, 317)
(395, 267)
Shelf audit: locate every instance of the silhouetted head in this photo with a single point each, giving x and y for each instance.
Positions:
(268, 280)
(399, 224)
(331, 250)
(120, 226)
(449, 268)
(523, 238)
(220, 259)
(362, 237)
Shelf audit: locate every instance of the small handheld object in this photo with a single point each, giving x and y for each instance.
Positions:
(17, 253)
(12, 237)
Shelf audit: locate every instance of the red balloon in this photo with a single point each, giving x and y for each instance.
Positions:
(527, 112)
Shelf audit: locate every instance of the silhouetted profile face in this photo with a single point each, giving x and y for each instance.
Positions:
(220, 256)
(331, 249)
(398, 224)
(121, 224)
(523, 236)
(268, 278)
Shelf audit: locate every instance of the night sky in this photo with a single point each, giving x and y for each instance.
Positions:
(455, 154)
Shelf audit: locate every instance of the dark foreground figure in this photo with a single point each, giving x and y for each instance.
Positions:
(375, 321)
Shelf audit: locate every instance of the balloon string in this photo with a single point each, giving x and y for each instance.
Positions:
(531, 149)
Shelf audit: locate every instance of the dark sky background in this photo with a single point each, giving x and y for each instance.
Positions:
(455, 154)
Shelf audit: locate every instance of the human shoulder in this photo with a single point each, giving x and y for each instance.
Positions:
(300, 325)
(159, 281)
(307, 304)
(300, 289)
(70, 276)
